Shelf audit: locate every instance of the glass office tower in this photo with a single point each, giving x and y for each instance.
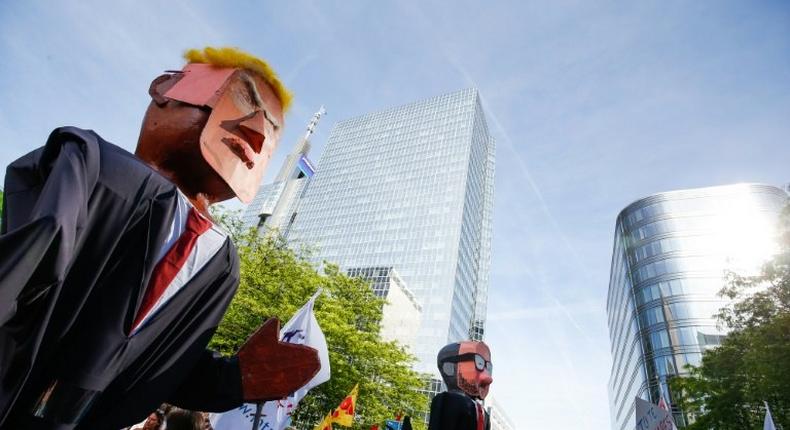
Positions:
(671, 253)
(411, 188)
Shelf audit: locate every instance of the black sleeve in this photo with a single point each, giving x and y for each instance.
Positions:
(46, 199)
(213, 385)
(442, 416)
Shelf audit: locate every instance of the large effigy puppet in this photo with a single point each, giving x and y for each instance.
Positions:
(466, 369)
(113, 276)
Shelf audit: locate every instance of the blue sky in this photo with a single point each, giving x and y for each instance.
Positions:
(593, 104)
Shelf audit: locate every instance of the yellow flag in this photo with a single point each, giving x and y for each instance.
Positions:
(325, 424)
(344, 414)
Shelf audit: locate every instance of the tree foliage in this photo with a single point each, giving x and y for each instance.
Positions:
(752, 364)
(275, 282)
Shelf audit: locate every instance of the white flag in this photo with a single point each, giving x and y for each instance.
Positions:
(768, 424)
(301, 329)
(652, 417)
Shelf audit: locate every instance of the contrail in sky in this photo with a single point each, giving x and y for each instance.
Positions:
(522, 165)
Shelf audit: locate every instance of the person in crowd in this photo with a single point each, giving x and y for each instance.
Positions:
(154, 421)
(182, 419)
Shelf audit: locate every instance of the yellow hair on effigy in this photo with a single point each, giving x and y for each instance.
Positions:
(234, 57)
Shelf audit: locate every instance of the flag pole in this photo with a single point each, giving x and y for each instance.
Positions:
(768, 422)
(256, 422)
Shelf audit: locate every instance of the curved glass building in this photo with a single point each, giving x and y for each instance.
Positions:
(671, 254)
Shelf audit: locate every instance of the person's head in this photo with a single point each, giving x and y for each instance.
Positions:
(182, 419)
(466, 366)
(212, 126)
(154, 420)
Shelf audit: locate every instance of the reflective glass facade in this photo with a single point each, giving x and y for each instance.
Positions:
(262, 206)
(411, 188)
(671, 253)
(274, 205)
(400, 319)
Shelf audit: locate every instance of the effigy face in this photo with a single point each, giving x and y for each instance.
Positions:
(228, 117)
(474, 373)
(466, 367)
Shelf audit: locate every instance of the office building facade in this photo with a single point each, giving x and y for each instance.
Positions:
(411, 188)
(671, 254)
(400, 315)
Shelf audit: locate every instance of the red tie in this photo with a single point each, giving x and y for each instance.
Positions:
(481, 418)
(168, 267)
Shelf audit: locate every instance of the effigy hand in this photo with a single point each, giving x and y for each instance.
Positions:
(271, 369)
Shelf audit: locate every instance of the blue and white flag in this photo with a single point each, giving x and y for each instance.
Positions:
(301, 329)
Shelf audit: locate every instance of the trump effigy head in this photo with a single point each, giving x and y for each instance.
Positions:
(213, 125)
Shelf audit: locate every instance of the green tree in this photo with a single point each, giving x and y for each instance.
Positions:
(752, 364)
(275, 282)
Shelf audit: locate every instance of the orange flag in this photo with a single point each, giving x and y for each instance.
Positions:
(344, 414)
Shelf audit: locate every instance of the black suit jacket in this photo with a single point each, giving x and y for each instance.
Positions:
(452, 410)
(82, 225)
